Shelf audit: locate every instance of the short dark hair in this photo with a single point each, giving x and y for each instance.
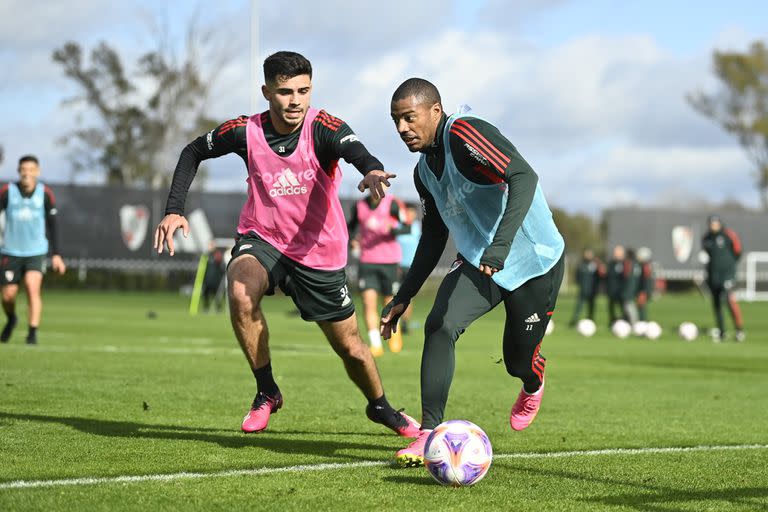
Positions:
(285, 65)
(28, 158)
(424, 91)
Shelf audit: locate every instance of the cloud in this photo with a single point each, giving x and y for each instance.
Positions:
(602, 118)
(650, 176)
(26, 24)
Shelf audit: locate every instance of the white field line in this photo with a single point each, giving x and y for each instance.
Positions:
(320, 350)
(304, 468)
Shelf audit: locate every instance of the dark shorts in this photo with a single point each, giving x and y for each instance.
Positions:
(318, 294)
(13, 268)
(382, 277)
(718, 286)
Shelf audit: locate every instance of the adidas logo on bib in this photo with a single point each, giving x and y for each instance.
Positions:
(287, 184)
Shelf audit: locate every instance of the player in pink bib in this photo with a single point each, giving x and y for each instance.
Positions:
(377, 223)
(291, 232)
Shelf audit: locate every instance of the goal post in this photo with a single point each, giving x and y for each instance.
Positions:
(755, 273)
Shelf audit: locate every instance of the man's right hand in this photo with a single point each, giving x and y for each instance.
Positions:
(166, 229)
(389, 317)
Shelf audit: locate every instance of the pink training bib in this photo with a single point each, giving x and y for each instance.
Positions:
(293, 202)
(377, 243)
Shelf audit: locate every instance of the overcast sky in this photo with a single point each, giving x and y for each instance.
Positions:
(591, 92)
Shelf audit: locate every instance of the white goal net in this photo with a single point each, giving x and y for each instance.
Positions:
(756, 276)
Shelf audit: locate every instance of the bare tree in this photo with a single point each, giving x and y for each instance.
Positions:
(142, 116)
(741, 105)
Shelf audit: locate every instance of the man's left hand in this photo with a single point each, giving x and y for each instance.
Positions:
(57, 264)
(488, 270)
(377, 181)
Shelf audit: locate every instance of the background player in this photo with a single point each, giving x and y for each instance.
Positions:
(647, 282)
(292, 231)
(30, 231)
(588, 276)
(408, 243)
(475, 184)
(630, 286)
(215, 269)
(723, 248)
(614, 284)
(377, 221)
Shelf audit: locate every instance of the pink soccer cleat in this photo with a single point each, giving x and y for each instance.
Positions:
(410, 427)
(258, 417)
(525, 409)
(413, 455)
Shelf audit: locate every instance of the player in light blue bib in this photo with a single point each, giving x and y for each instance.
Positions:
(475, 185)
(30, 231)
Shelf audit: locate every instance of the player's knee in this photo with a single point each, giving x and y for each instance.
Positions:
(241, 301)
(354, 351)
(8, 295)
(441, 328)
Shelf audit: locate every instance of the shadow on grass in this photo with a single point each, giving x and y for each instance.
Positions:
(656, 498)
(673, 499)
(291, 443)
(421, 479)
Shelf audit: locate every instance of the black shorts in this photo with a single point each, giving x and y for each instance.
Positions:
(382, 277)
(718, 286)
(13, 268)
(318, 294)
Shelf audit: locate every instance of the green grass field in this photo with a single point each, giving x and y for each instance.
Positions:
(73, 408)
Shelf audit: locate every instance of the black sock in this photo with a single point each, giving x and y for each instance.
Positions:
(265, 383)
(532, 386)
(380, 403)
(32, 332)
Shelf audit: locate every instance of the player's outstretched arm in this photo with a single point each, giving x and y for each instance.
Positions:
(166, 229)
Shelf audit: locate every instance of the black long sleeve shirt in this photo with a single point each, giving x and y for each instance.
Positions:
(484, 156)
(333, 139)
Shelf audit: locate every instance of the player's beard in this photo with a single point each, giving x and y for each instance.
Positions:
(293, 119)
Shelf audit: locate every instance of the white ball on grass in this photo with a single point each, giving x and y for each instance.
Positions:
(653, 331)
(640, 328)
(586, 327)
(688, 331)
(621, 329)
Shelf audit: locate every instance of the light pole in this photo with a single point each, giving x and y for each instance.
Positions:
(255, 71)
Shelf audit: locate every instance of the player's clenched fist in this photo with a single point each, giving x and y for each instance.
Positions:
(166, 229)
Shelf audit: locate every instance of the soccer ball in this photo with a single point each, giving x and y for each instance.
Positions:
(550, 328)
(640, 328)
(621, 329)
(586, 327)
(457, 453)
(653, 331)
(688, 331)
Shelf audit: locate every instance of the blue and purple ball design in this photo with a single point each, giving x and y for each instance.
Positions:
(458, 453)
